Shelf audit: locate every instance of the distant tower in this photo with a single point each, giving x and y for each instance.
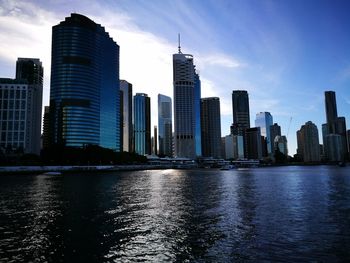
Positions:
(197, 110)
(127, 133)
(254, 143)
(184, 105)
(142, 124)
(308, 142)
(264, 120)
(165, 124)
(331, 106)
(211, 127)
(275, 130)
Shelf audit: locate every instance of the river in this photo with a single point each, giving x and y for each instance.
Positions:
(283, 214)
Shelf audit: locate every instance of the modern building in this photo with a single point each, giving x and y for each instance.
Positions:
(334, 147)
(334, 125)
(308, 142)
(85, 94)
(127, 132)
(253, 143)
(331, 107)
(240, 113)
(184, 105)
(20, 107)
(165, 126)
(155, 141)
(234, 147)
(211, 127)
(264, 120)
(142, 124)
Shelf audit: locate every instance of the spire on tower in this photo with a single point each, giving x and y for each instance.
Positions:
(179, 44)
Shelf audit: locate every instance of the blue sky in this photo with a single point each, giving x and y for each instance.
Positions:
(285, 53)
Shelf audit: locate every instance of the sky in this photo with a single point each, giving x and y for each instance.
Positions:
(284, 53)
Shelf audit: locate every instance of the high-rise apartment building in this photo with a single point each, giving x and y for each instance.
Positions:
(211, 127)
(126, 133)
(142, 124)
(275, 130)
(85, 95)
(20, 107)
(165, 125)
(264, 120)
(308, 142)
(184, 105)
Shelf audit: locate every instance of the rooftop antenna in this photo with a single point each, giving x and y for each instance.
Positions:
(179, 44)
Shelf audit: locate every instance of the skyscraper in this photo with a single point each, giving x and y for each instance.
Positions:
(308, 142)
(127, 132)
(275, 130)
(184, 105)
(211, 127)
(264, 121)
(331, 106)
(85, 95)
(165, 125)
(142, 124)
(20, 105)
(254, 143)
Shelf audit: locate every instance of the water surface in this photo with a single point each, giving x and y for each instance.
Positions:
(295, 214)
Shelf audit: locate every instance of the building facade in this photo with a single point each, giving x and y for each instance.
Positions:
(20, 107)
(264, 120)
(85, 94)
(254, 143)
(197, 110)
(142, 124)
(308, 143)
(165, 126)
(211, 127)
(127, 132)
(184, 105)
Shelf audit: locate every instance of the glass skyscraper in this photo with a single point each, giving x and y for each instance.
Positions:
(197, 112)
(264, 120)
(165, 124)
(84, 97)
(142, 124)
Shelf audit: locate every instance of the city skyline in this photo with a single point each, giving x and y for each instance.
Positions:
(286, 58)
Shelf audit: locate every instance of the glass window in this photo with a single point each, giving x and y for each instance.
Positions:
(9, 136)
(22, 125)
(23, 94)
(4, 115)
(3, 136)
(17, 104)
(23, 114)
(15, 136)
(16, 115)
(9, 125)
(12, 94)
(18, 94)
(6, 94)
(3, 125)
(21, 136)
(10, 115)
(5, 104)
(16, 125)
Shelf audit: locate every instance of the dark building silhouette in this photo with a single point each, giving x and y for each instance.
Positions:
(84, 96)
(254, 143)
(275, 130)
(331, 107)
(308, 143)
(211, 127)
(165, 124)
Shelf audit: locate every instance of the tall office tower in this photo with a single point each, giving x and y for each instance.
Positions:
(240, 112)
(275, 130)
(127, 133)
(331, 107)
(307, 138)
(253, 142)
(211, 127)
(184, 105)
(165, 126)
(46, 127)
(142, 124)
(31, 70)
(84, 97)
(197, 110)
(348, 139)
(264, 120)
